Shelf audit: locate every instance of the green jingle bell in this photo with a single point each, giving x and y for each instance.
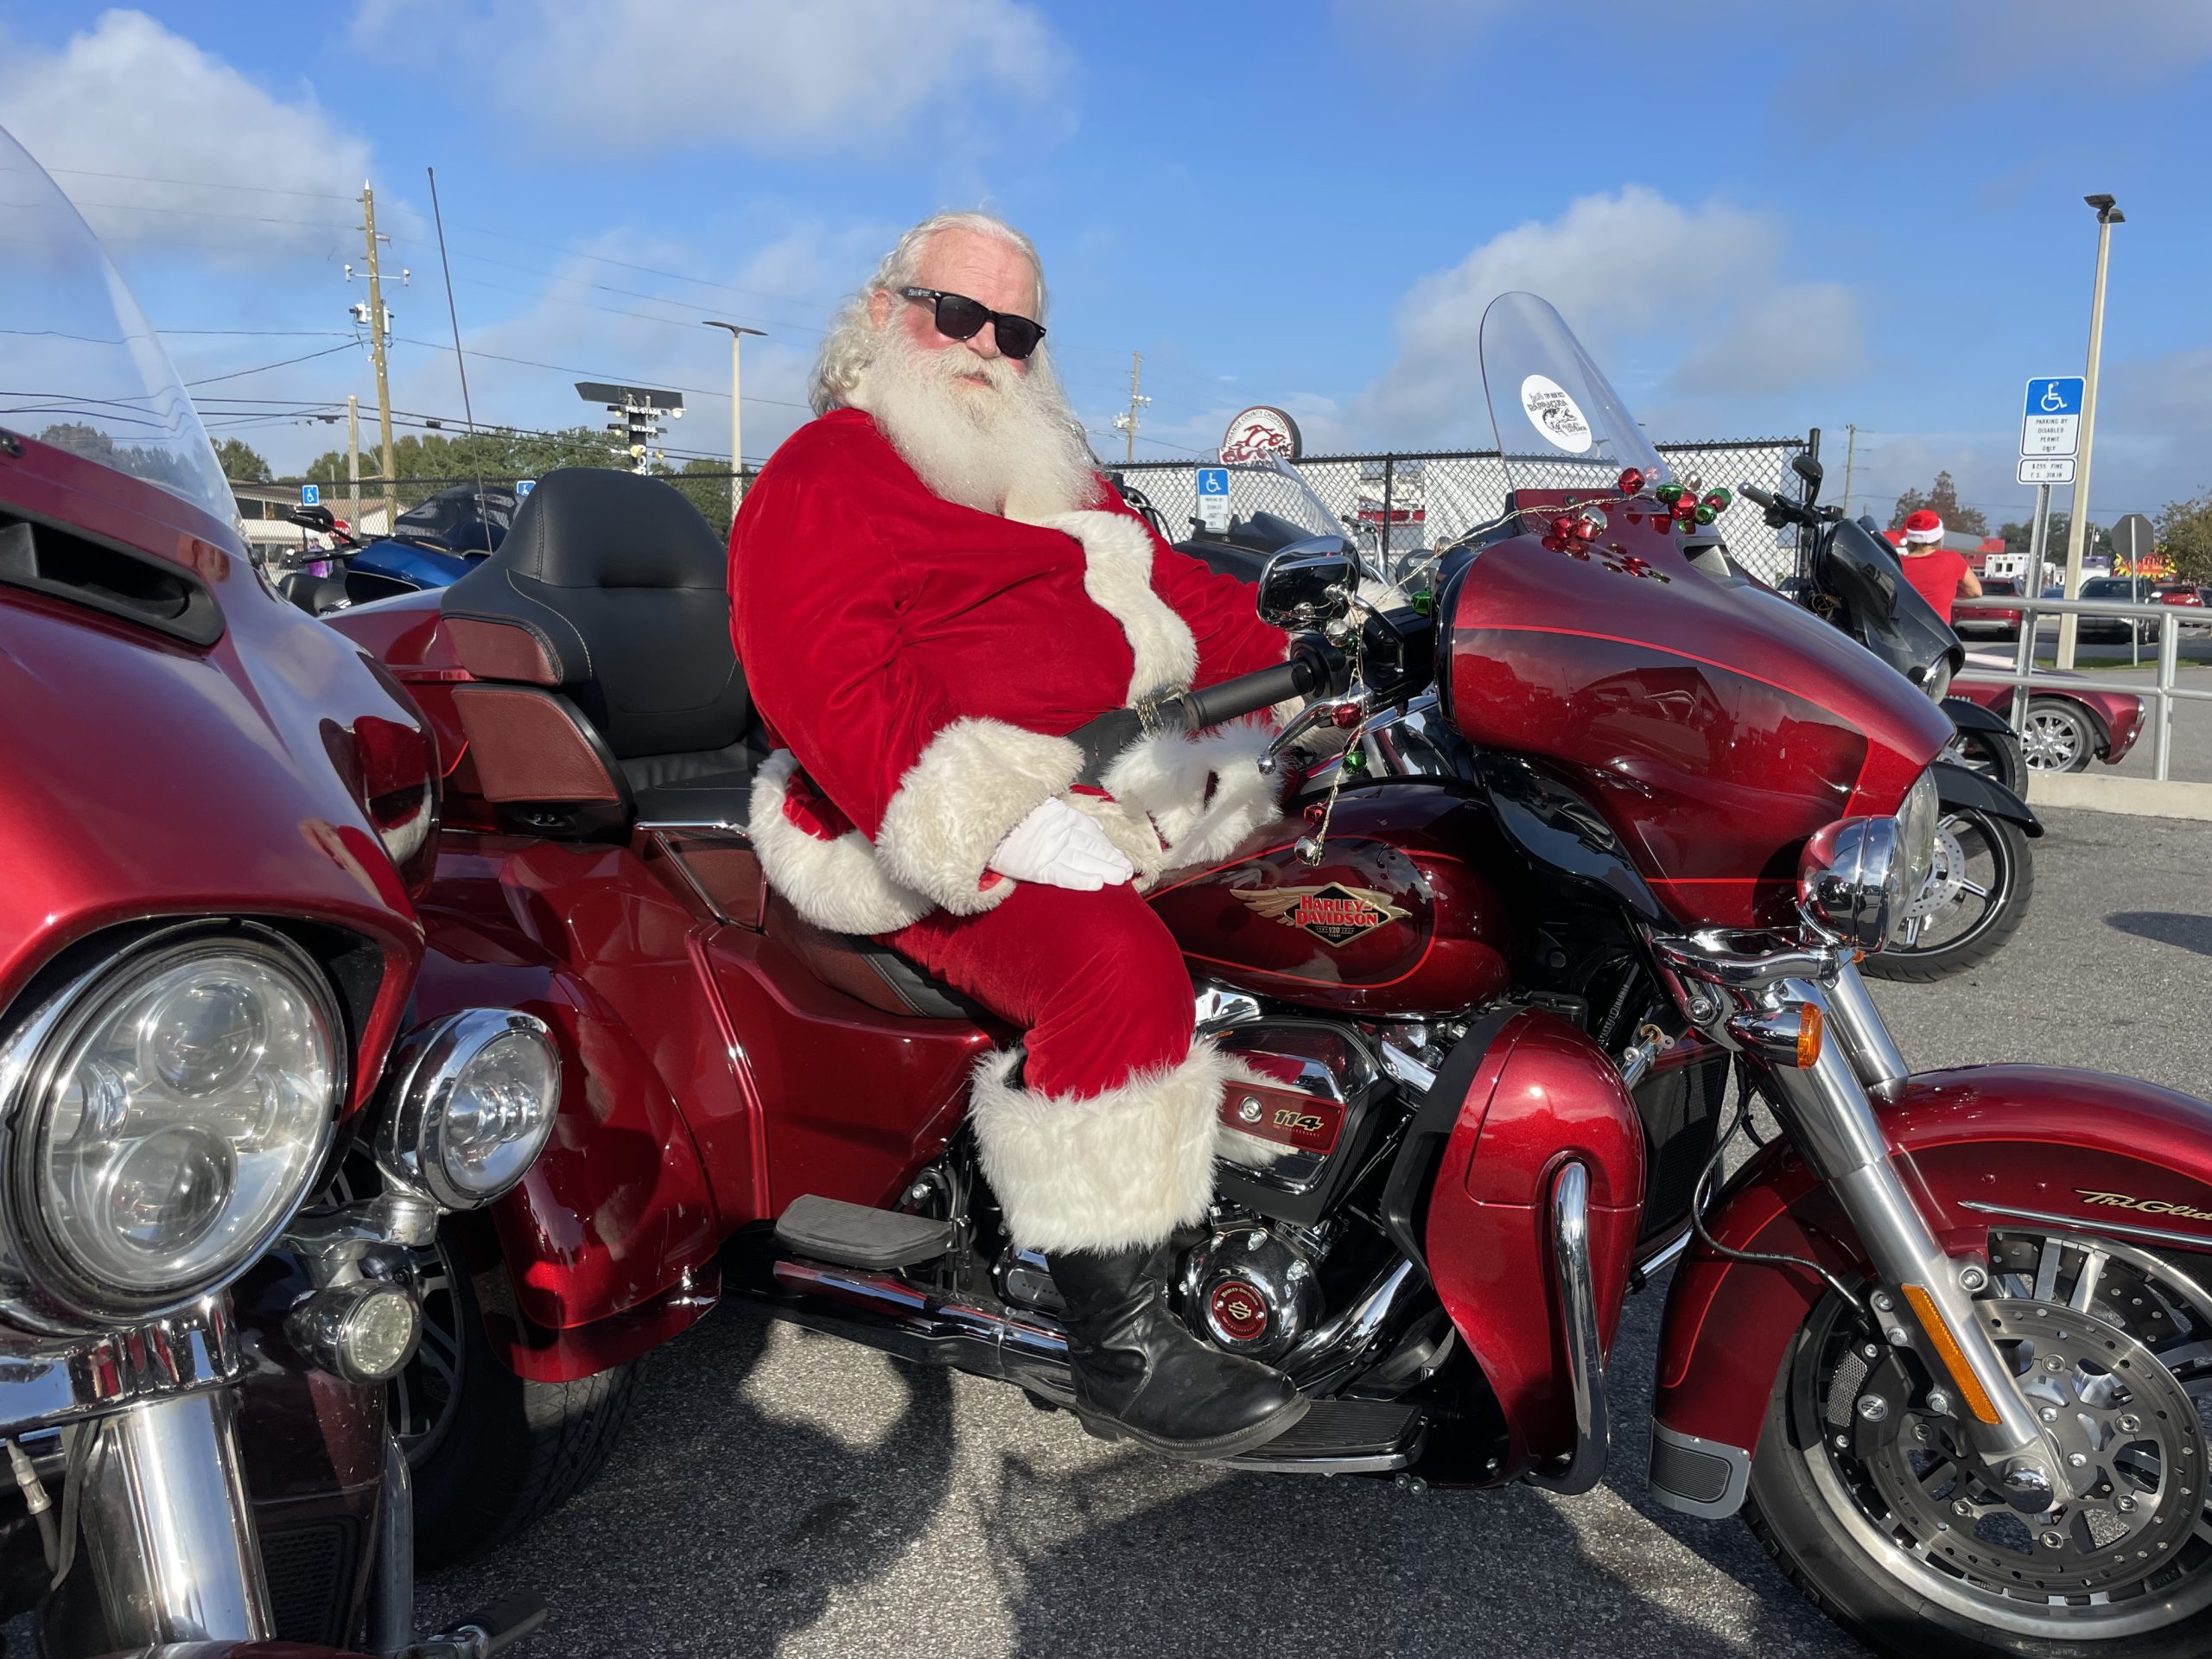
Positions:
(1705, 515)
(1719, 501)
(1669, 494)
(1355, 758)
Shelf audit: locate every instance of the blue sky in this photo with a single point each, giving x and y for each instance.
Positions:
(1760, 218)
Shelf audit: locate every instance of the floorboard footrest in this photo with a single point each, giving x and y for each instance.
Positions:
(853, 1235)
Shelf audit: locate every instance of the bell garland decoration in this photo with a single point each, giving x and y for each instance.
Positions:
(1685, 506)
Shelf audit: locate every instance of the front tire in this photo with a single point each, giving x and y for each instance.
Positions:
(491, 1453)
(1899, 1539)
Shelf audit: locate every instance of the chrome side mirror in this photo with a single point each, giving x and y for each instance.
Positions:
(1307, 584)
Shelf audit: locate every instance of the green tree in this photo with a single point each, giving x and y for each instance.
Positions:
(2184, 532)
(710, 493)
(1943, 499)
(241, 462)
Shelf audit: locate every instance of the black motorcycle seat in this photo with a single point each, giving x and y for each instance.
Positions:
(715, 787)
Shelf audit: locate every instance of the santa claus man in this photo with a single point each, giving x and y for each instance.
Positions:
(1940, 575)
(933, 588)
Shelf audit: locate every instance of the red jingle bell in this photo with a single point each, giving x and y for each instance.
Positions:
(1555, 544)
(1630, 481)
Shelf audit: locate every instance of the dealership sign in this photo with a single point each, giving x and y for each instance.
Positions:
(1258, 433)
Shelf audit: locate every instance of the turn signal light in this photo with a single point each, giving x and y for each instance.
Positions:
(1788, 1036)
(1953, 1357)
(1809, 1027)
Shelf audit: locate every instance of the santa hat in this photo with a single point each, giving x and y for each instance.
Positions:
(1921, 527)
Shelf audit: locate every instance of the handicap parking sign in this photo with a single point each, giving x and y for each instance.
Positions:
(524, 485)
(1213, 499)
(310, 495)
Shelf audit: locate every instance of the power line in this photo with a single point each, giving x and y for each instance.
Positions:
(239, 374)
(570, 368)
(200, 184)
(266, 334)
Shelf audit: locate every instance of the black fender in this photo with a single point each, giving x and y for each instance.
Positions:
(1970, 717)
(1958, 787)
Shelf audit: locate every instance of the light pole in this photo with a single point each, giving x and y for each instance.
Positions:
(2077, 532)
(737, 334)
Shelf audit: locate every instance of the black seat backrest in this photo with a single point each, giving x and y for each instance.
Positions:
(619, 591)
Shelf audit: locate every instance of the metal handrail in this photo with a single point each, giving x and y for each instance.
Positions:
(2024, 677)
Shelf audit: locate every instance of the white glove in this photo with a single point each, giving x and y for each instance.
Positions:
(1061, 848)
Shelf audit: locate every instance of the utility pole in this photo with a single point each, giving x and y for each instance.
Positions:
(1850, 454)
(2077, 531)
(353, 462)
(737, 334)
(1128, 423)
(379, 329)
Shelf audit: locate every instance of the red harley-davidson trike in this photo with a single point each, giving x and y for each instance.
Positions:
(1612, 827)
(221, 1136)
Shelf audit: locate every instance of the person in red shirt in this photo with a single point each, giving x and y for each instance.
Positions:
(1939, 575)
(932, 589)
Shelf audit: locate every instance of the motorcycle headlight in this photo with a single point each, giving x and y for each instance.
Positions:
(471, 1106)
(1918, 820)
(165, 1119)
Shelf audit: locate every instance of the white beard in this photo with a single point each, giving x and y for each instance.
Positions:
(1012, 446)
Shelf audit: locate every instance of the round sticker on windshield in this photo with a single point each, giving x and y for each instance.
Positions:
(1553, 413)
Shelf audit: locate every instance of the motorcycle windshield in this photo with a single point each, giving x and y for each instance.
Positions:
(1270, 497)
(80, 367)
(1559, 423)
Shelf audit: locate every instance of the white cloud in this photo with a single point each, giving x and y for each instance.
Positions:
(128, 97)
(1631, 267)
(631, 77)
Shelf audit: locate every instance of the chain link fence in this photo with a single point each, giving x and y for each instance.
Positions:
(1402, 503)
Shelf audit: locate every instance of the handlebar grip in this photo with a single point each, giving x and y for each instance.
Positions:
(1762, 498)
(1247, 694)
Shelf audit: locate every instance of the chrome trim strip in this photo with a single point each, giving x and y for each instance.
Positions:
(2099, 1223)
(1585, 1357)
(46, 1384)
(696, 826)
(1666, 1255)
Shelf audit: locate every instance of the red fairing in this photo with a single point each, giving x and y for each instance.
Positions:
(1400, 917)
(1715, 727)
(149, 778)
(2035, 1139)
(1544, 1095)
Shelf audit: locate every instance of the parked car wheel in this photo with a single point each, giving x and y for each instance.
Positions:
(2061, 736)
(1996, 755)
(1976, 898)
(491, 1452)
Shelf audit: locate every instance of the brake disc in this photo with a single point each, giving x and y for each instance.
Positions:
(2133, 1444)
(1946, 875)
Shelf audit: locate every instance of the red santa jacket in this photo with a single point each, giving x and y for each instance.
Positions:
(921, 664)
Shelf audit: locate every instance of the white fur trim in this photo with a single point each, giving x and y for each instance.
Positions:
(1118, 1171)
(976, 780)
(1922, 538)
(836, 885)
(1167, 778)
(1117, 574)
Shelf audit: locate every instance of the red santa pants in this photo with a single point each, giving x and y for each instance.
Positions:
(1094, 978)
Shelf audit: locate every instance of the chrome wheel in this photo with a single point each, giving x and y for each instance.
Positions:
(2113, 1348)
(1967, 885)
(2057, 739)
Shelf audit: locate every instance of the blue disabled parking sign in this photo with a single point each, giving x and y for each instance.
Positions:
(1213, 499)
(310, 495)
(2050, 425)
(524, 485)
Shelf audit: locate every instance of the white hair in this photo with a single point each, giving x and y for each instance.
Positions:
(853, 340)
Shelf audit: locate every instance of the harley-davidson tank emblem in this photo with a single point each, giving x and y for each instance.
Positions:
(1333, 914)
(2143, 1206)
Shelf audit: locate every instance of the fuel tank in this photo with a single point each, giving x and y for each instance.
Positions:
(1715, 725)
(1407, 913)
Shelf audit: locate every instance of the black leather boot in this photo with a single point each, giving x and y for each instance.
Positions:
(1140, 1375)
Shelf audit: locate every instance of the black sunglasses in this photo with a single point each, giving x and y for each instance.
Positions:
(959, 317)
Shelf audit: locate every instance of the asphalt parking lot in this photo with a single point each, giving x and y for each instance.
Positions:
(784, 1493)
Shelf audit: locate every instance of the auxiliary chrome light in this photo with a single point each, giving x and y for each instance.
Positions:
(471, 1106)
(1852, 879)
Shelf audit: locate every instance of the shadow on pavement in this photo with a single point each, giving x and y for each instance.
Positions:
(2166, 927)
(714, 1527)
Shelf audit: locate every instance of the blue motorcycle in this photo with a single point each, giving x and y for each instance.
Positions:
(433, 545)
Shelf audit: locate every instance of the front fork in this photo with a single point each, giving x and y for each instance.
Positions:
(1824, 1047)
